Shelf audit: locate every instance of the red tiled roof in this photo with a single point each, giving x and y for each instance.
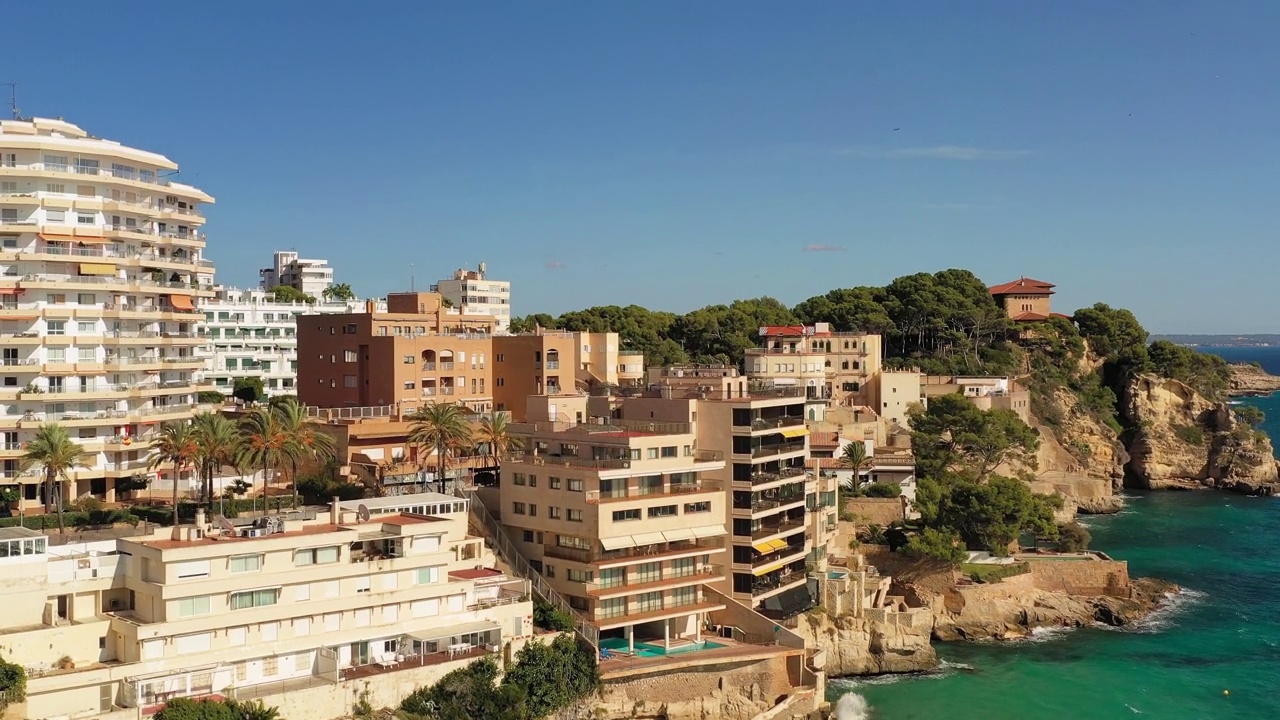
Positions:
(782, 330)
(1064, 317)
(1030, 317)
(823, 439)
(1023, 286)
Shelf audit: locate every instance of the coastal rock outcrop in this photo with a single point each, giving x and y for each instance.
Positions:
(1249, 379)
(1080, 457)
(873, 644)
(1184, 441)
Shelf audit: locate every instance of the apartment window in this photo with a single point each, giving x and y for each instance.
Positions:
(86, 328)
(549, 571)
(88, 354)
(271, 666)
(254, 598)
(624, 515)
(527, 536)
(364, 617)
(58, 188)
(575, 516)
(188, 607)
(649, 602)
(611, 608)
(363, 584)
(684, 567)
(652, 453)
(409, 384)
(533, 510)
(316, 556)
(575, 485)
(663, 511)
(302, 593)
(55, 327)
(192, 644)
(86, 218)
(553, 512)
(427, 576)
(518, 508)
(554, 482)
(302, 661)
(349, 381)
(572, 541)
(697, 507)
(425, 608)
(192, 569)
(688, 450)
(390, 613)
(54, 162)
(237, 636)
(669, 451)
(579, 575)
(55, 216)
(684, 596)
(533, 481)
(332, 622)
(611, 578)
(269, 631)
(499, 382)
(408, 360)
(518, 479)
(349, 356)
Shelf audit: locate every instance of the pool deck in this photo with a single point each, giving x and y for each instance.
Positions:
(621, 666)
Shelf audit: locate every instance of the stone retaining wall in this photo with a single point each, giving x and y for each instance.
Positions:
(875, 511)
(1081, 577)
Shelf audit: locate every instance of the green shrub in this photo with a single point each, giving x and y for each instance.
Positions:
(188, 709)
(1189, 434)
(937, 545)
(550, 617)
(13, 683)
(1073, 537)
(881, 490)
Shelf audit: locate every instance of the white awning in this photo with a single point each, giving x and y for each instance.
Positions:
(617, 543)
(708, 531)
(649, 538)
(678, 534)
(454, 630)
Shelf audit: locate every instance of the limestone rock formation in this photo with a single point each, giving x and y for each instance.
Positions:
(1249, 379)
(1183, 440)
(869, 646)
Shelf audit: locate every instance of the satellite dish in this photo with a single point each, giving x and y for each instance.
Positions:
(225, 524)
(362, 512)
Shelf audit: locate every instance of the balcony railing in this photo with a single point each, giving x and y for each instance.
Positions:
(446, 366)
(667, 575)
(772, 529)
(780, 449)
(642, 553)
(761, 478)
(774, 557)
(633, 493)
(570, 461)
(767, 583)
(772, 423)
(428, 366)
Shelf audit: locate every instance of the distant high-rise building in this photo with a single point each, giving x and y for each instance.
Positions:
(312, 277)
(103, 261)
(474, 293)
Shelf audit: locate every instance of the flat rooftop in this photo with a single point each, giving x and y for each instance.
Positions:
(18, 533)
(427, 498)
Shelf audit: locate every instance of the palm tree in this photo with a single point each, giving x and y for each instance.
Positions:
(219, 443)
(495, 435)
(178, 444)
(440, 427)
(262, 443)
(854, 456)
(341, 291)
(303, 441)
(53, 450)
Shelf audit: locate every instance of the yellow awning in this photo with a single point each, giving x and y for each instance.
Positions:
(795, 432)
(777, 544)
(762, 547)
(92, 240)
(766, 569)
(181, 302)
(97, 269)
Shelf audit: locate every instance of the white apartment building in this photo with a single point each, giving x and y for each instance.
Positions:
(290, 610)
(473, 292)
(312, 277)
(101, 267)
(246, 334)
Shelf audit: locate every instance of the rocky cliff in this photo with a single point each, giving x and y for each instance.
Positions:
(870, 645)
(1080, 457)
(1183, 440)
(1249, 379)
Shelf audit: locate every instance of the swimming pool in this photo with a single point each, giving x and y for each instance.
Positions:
(619, 645)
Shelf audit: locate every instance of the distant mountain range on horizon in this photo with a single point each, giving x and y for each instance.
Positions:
(1247, 340)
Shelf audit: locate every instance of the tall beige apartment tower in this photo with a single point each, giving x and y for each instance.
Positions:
(101, 265)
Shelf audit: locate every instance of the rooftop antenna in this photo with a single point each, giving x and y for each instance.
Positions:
(412, 285)
(13, 100)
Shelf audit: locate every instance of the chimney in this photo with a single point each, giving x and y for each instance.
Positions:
(370, 306)
(335, 515)
(200, 518)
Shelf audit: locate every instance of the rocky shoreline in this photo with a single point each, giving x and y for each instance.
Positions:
(1249, 380)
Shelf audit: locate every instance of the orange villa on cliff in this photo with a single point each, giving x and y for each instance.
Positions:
(1026, 300)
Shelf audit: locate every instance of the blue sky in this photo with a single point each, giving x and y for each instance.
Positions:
(676, 154)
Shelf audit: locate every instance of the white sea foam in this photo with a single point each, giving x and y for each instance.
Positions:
(1046, 634)
(1135, 710)
(944, 669)
(1164, 617)
(852, 707)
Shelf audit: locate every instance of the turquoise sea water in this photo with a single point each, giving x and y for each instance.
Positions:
(1223, 634)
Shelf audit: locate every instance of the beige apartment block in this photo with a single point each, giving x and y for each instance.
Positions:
(986, 392)
(780, 517)
(102, 261)
(287, 604)
(621, 520)
(834, 368)
(897, 391)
